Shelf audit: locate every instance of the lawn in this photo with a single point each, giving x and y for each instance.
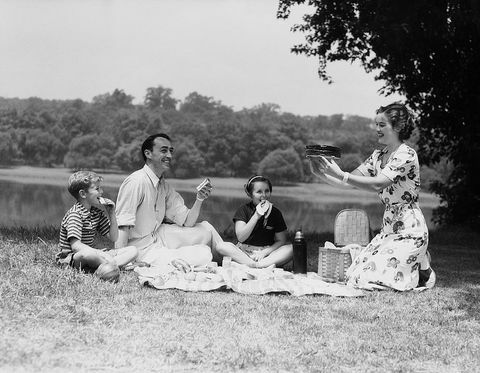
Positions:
(55, 320)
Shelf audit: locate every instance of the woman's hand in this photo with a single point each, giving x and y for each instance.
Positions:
(330, 167)
(316, 168)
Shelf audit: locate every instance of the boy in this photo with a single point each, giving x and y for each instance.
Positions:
(91, 213)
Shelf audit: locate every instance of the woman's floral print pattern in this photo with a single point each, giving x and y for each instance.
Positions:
(391, 259)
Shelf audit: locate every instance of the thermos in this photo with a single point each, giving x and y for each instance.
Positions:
(299, 253)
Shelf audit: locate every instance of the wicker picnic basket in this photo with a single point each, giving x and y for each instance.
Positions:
(351, 226)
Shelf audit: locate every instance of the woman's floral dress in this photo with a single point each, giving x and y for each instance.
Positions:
(392, 258)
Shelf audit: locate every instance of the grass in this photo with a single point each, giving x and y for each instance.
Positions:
(59, 320)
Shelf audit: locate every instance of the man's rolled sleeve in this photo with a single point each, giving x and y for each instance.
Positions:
(127, 202)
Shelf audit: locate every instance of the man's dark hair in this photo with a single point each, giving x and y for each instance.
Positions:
(148, 143)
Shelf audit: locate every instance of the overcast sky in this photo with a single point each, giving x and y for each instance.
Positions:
(235, 51)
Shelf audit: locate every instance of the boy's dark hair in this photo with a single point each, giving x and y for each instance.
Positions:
(254, 179)
(82, 180)
(148, 143)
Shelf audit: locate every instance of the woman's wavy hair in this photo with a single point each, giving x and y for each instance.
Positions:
(400, 118)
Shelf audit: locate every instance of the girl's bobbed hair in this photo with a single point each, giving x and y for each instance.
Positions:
(249, 185)
(400, 118)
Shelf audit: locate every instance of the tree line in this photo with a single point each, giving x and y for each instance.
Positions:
(209, 137)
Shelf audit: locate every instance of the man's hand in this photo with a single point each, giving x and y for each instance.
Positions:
(204, 190)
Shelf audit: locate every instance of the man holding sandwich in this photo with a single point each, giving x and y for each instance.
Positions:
(153, 217)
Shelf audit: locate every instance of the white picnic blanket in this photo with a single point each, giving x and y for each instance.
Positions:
(245, 280)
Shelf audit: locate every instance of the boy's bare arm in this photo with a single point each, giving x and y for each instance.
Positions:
(78, 245)
(113, 233)
(109, 208)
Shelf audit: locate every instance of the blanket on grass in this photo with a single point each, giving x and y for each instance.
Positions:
(242, 279)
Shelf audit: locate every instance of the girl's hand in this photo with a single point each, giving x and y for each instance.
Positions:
(258, 255)
(262, 207)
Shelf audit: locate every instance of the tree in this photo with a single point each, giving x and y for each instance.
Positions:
(89, 151)
(188, 159)
(198, 104)
(117, 99)
(282, 166)
(41, 148)
(426, 50)
(160, 97)
(128, 156)
(8, 148)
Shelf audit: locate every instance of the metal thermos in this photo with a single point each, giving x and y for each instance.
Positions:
(299, 253)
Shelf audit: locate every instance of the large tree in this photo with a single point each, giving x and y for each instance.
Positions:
(427, 50)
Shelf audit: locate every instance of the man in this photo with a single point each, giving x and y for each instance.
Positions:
(153, 217)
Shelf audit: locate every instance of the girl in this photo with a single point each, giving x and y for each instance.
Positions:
(260, 229)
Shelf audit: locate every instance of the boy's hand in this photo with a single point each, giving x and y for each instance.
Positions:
(107, 257)
(108, 204)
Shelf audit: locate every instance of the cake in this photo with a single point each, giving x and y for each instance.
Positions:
(327, 151)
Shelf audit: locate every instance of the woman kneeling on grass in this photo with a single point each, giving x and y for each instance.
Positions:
(260, 229)
(396, 257)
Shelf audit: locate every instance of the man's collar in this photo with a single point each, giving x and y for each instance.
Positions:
(152, 176)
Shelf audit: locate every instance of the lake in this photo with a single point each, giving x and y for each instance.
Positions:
(32, 205)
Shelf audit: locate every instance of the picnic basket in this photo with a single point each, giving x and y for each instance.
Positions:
(351, 226)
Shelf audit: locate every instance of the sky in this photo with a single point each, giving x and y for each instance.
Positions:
(235, 51)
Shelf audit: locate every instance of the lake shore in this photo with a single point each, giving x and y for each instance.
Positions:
(227, 187)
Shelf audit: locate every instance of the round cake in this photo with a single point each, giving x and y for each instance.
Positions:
(322, 150)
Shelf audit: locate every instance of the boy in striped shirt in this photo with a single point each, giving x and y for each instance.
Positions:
(92, 213)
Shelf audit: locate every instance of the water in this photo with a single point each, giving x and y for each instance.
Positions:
(30, 205)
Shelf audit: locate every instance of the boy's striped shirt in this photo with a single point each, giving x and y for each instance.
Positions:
(82, 224)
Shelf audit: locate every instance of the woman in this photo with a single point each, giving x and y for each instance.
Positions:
(396, 257)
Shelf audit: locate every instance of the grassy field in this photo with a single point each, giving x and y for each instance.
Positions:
(55, 320)
(228, 187)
